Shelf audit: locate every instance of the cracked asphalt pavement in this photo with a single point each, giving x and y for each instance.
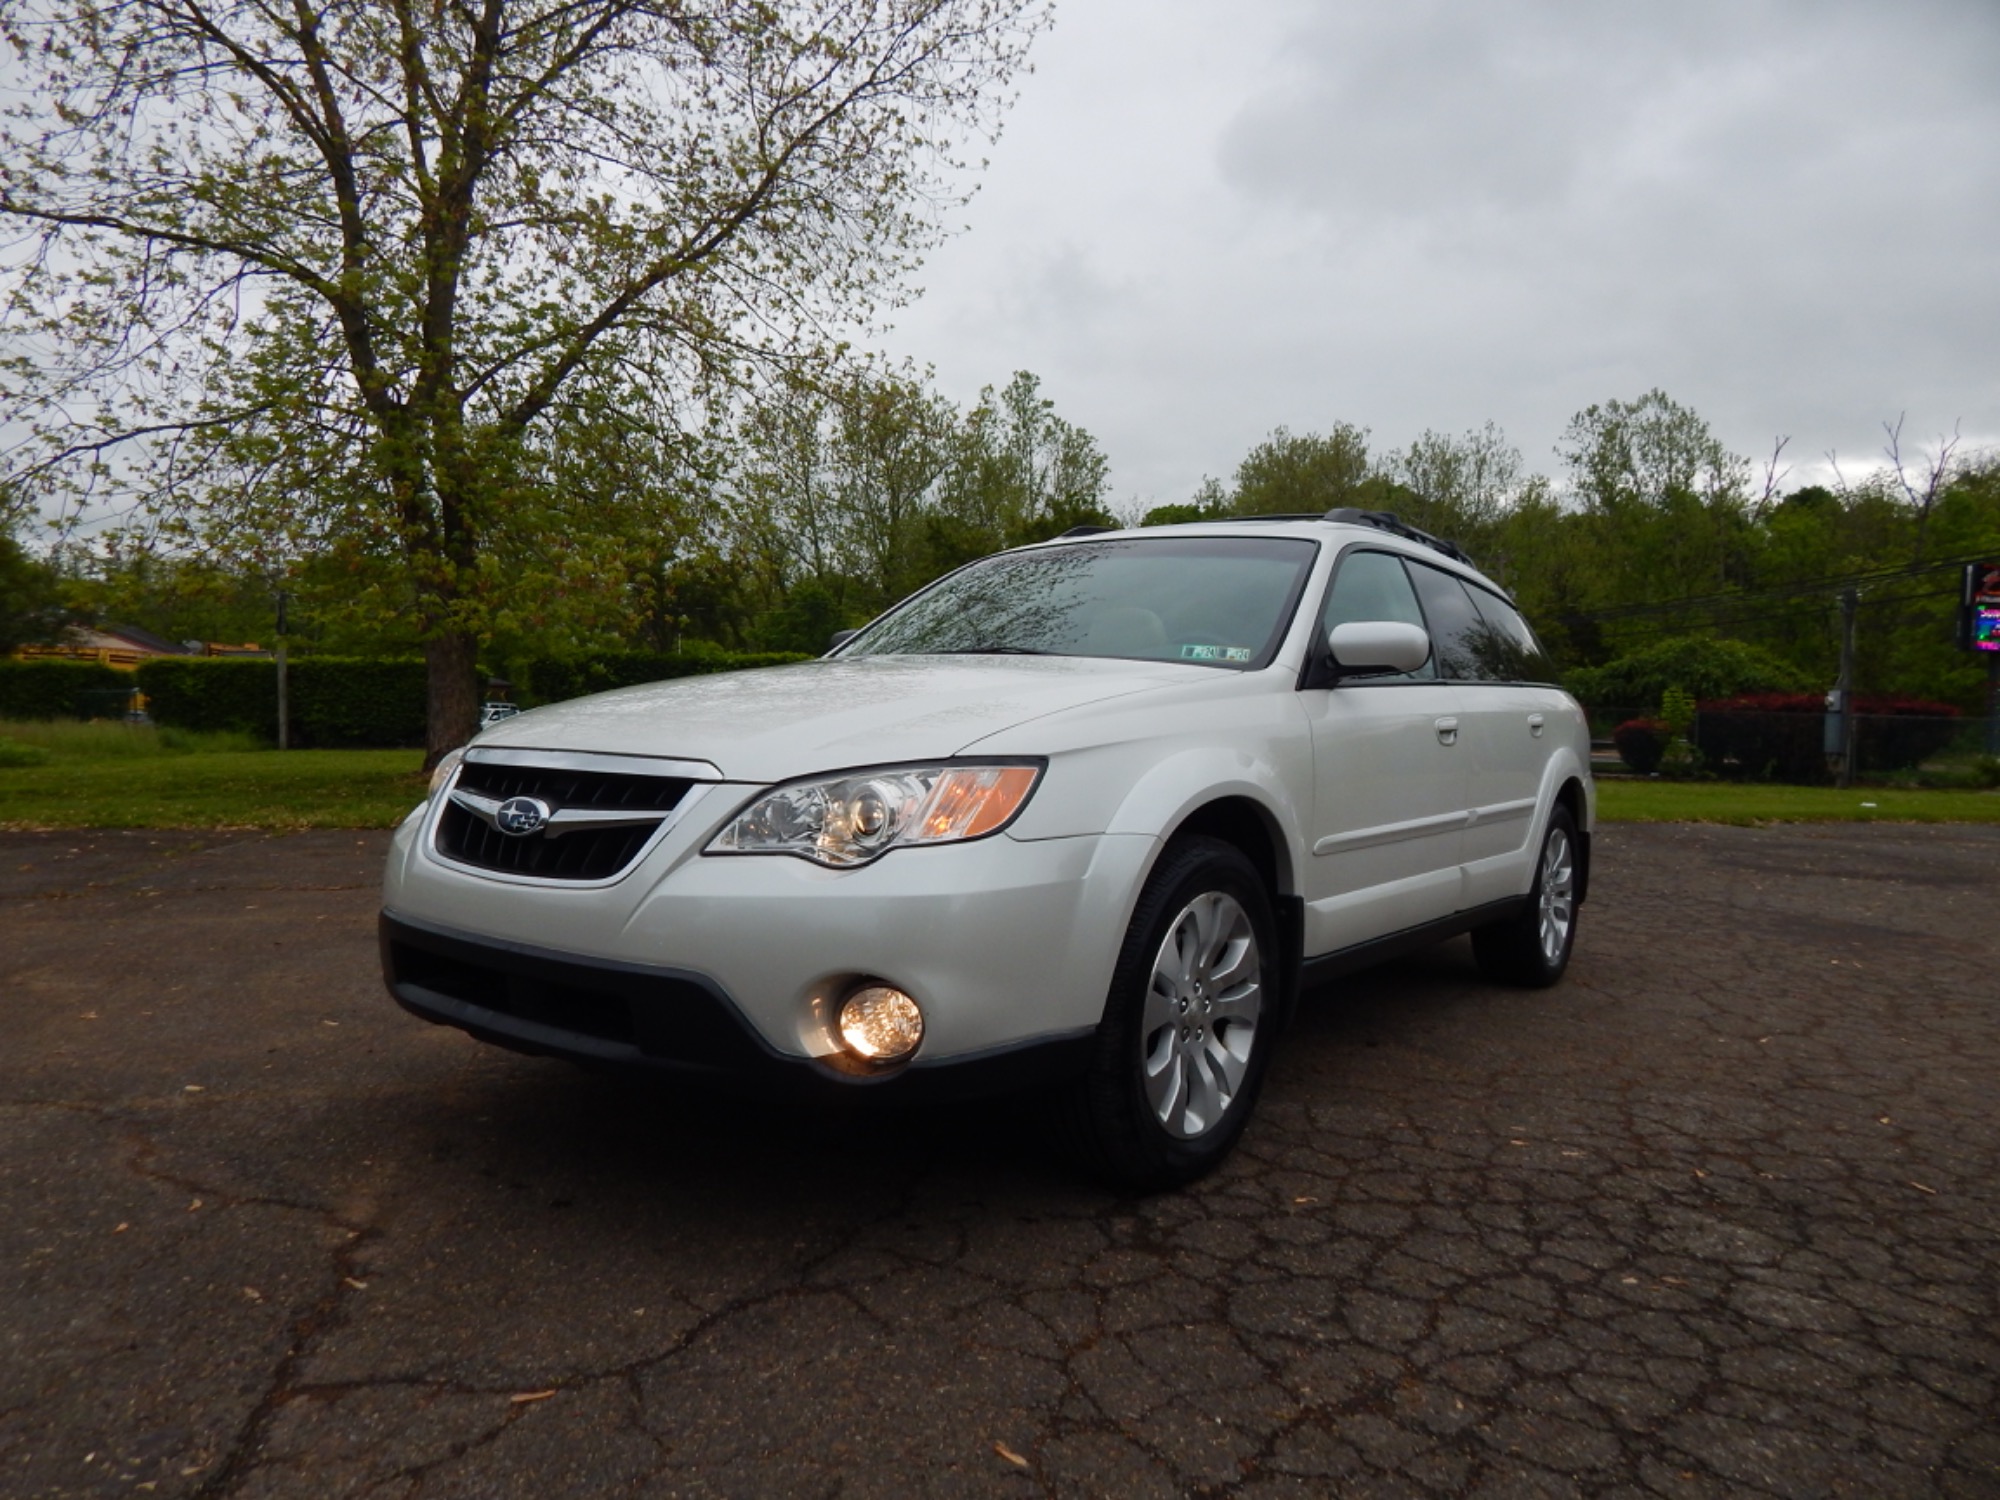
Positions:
(1718, 1216)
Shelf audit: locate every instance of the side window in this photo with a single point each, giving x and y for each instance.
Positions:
(1511, 653)
(1460, 638)
(1373, 586)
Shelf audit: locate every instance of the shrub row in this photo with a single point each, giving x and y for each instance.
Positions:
(551, 679)
(348, 702)
(1704, 667)
(61, 690)
(335, 702)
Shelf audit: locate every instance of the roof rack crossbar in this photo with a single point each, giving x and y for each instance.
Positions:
(1389, 521)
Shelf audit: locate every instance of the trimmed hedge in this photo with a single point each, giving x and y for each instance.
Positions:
(550, 679)
(345, 702)
(336, 702)
(1782, 736)
(56, 689)
(342, 702)
(204, 693)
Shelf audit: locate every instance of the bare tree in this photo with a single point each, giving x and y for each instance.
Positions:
(1933, 470)
(1773, 477)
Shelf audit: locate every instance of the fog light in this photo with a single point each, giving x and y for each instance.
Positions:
(880, 1023)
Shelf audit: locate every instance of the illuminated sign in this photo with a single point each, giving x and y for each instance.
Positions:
(1982, 606)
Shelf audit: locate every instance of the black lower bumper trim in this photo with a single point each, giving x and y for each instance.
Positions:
(660, 1020)
(1317, 971)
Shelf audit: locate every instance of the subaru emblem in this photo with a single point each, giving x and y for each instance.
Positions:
(520, 815)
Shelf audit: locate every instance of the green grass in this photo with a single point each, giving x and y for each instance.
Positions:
(110, 739)
(1758, 802)
(214, 789)
(109, 775)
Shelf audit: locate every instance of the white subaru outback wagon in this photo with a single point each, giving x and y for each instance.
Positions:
(1082, 818)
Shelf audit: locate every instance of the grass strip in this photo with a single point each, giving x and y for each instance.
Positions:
(374, 788)
(1746, 803)
(241, 789)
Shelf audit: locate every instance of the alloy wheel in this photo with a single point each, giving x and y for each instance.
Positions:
(1201, 1012)
(1558, 895)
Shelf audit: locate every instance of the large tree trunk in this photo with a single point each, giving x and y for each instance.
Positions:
(452, 678)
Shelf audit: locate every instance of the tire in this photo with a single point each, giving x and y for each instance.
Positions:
(1532, 948)
(1193, 1012)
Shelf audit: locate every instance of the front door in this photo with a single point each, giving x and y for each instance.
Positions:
(1390, 779)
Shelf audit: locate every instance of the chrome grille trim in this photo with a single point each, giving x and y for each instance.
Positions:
(591, 760)
(575, 864)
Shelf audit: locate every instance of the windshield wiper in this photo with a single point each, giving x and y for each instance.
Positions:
(994, 651)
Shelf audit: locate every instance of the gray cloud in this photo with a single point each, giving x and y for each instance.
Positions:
(1201, 226)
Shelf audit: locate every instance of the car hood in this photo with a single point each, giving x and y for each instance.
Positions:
(775, 723)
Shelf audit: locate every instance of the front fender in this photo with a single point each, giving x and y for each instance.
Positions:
(1100, 791)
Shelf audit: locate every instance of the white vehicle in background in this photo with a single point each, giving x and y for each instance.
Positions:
(1083, 818)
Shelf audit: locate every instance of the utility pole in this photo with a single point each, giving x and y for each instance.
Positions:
(1844, 687)
(284, 706)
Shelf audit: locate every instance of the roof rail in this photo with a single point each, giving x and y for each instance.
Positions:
(1388, 521)
(1087, 531)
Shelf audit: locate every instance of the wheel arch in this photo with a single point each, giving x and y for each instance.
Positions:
(1572, 796)
(1248, 826)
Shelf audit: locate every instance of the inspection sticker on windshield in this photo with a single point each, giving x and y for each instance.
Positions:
(1216, 653)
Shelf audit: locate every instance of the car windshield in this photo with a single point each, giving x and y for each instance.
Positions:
(1207, 601)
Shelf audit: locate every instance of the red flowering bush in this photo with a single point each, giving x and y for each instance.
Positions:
(1641, 743)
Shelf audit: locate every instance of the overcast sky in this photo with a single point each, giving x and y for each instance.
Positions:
(1206, 220)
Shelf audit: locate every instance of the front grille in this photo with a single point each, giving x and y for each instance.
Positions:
(576, 854)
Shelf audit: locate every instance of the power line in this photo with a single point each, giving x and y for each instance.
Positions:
(1830, 585)
(1731, 619)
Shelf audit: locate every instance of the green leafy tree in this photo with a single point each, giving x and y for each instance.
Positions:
(1021, 473)
(178, 598)
(1628, 456)
(33, 607)
(1460, 487)
(1664, 505)
(862, 484)
(348, 272)
(1300, 473)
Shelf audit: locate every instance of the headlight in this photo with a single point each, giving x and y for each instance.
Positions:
(444, 769)
(842, 821)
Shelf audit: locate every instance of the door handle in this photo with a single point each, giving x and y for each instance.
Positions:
(1535, 723)
(1447, 729)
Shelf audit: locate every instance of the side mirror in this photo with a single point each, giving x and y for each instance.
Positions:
(841, 638)
(1376, 648)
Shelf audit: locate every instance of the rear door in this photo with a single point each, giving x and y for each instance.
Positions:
(1507, 708)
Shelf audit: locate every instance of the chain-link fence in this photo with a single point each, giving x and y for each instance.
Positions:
(1748, 744)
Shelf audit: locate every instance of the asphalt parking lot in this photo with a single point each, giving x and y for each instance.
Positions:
(1718, 1216)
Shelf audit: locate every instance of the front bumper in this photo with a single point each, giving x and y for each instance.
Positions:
(662, 1020)
(734, 966)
